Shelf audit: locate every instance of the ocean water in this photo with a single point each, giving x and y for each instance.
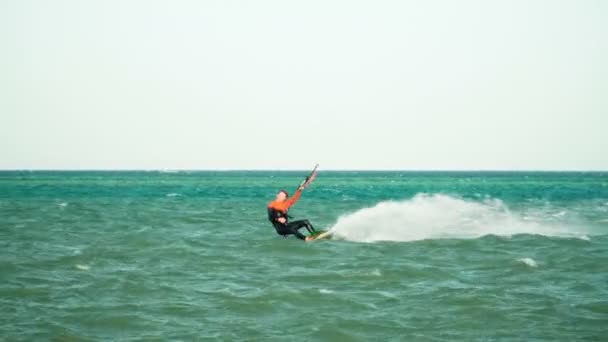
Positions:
(417, 256)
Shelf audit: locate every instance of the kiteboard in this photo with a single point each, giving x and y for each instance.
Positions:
(321, 235)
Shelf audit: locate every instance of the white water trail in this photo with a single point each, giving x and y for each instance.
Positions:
(441, 216)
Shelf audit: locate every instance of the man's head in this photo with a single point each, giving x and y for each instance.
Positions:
(282, 195)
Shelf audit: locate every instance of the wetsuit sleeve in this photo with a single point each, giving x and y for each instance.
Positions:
(294, 199)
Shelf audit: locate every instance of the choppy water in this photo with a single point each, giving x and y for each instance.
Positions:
(190, 256)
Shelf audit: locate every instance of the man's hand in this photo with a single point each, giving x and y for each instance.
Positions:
(282, 219)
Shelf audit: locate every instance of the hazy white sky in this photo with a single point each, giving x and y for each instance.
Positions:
(284, 84)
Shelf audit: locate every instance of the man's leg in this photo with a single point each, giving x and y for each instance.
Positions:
(287, 229)
(295, 225)
(299, 224)
(309, 226)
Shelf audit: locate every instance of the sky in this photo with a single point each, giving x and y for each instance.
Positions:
(366, 85)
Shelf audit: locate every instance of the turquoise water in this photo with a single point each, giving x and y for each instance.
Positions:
(417, 256)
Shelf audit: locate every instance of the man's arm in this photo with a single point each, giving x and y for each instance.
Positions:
(295, 197)
(275, 216)
(272, 214)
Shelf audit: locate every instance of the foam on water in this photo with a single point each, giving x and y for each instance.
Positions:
(528, 261)
(442, 216)
(376, 272)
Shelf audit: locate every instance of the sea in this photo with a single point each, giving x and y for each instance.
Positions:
(415, 256)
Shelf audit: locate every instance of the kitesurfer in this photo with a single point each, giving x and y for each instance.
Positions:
(277, 214)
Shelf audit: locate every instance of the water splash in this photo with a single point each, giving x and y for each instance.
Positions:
(441, 216)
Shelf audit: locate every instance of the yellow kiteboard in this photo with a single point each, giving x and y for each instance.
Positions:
(321, 235)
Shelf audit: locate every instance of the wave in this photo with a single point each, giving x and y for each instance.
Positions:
(528, 262)
(440, 216)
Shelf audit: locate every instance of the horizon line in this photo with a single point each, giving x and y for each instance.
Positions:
(169, 170)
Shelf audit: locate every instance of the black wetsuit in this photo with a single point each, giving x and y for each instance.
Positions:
(288, 228)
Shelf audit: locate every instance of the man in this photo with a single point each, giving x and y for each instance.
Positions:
(277, 214)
